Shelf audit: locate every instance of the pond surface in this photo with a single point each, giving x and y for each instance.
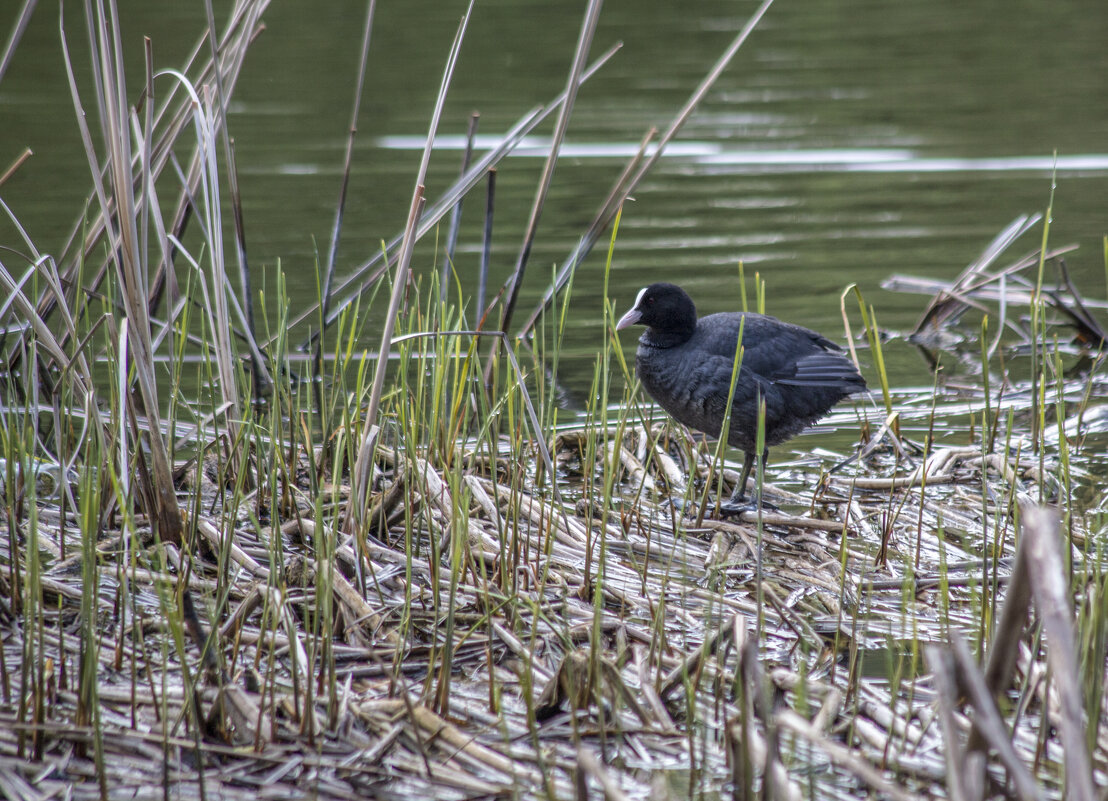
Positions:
(849, 140)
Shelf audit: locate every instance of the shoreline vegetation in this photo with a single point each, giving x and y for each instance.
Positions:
(337, 575)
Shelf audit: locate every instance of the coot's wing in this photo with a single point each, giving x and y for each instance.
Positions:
(775, 353)
(823, 369)
(793, 356)
(707, 382)
(765, 339)
(779, 353)
(706, 385)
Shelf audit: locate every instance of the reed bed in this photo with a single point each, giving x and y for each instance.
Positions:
(482, 637)
(225, 576)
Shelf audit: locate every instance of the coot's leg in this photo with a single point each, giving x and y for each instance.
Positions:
(737, 503)
(739, 495)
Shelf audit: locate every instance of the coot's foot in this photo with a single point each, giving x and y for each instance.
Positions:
(738, 502)
(736, 506)
(730, 508)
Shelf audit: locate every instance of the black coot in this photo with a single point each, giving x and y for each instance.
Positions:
(686, 366)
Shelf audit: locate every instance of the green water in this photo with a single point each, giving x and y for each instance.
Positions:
(914, 131)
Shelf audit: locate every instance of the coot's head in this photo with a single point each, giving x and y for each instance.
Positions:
(666, 309)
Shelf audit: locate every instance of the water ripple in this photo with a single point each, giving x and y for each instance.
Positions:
(716, 155)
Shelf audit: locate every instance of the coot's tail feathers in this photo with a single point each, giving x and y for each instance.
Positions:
(825, 370)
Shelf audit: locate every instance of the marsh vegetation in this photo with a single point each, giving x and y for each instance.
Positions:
(242, 562)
